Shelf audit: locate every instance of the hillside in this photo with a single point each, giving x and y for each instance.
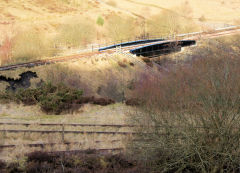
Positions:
(47, 15)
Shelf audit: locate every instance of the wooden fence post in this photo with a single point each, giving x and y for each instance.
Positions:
(62, 133)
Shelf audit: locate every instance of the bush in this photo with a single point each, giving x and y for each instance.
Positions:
(14, 167)
(60, 100)
(52, 99)
(2, 165)
(100, 21)
(191, 114)
(113, 91)
(133, 102)
(38, 167)
(69, 77)
(119, 161)
(103, 102)
(39, 156)
(41, 162)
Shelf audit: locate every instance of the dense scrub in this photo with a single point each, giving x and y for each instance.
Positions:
(42, 162)
(53, 99)
(191, 114)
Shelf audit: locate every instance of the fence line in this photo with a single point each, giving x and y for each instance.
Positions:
(64, 131)
(102, 150)
(93, 125)
(43, 145)
(74, 125)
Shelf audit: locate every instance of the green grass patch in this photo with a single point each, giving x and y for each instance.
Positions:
(100, 21)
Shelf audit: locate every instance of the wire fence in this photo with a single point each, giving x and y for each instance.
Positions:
(163, 131)
(111, 143)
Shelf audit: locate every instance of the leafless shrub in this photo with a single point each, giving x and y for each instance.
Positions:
(191, 114)
(113, 89)
(88, 161)
(69, 77)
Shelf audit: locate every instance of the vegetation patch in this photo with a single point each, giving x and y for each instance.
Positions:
(76, 34)
(43, 162)
(2, 164)
(30, 46)
(53, 99)
(191, 114)
(121, 28)
(100, 21)
(133, 102)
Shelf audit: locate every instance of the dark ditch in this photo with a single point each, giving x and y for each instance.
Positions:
(22, 82)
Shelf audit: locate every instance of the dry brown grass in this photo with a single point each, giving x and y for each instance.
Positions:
(76, 33)
(6, 51)
(112, 3)
(86, 141)
(122, 28)
(29, 45)
(166, 23)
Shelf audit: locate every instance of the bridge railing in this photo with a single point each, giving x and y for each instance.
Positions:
(97, 46)
(147, 37)
(131, 39)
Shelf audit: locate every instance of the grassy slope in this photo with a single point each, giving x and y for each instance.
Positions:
(46, 15)
(80, 74)
(227, 10)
